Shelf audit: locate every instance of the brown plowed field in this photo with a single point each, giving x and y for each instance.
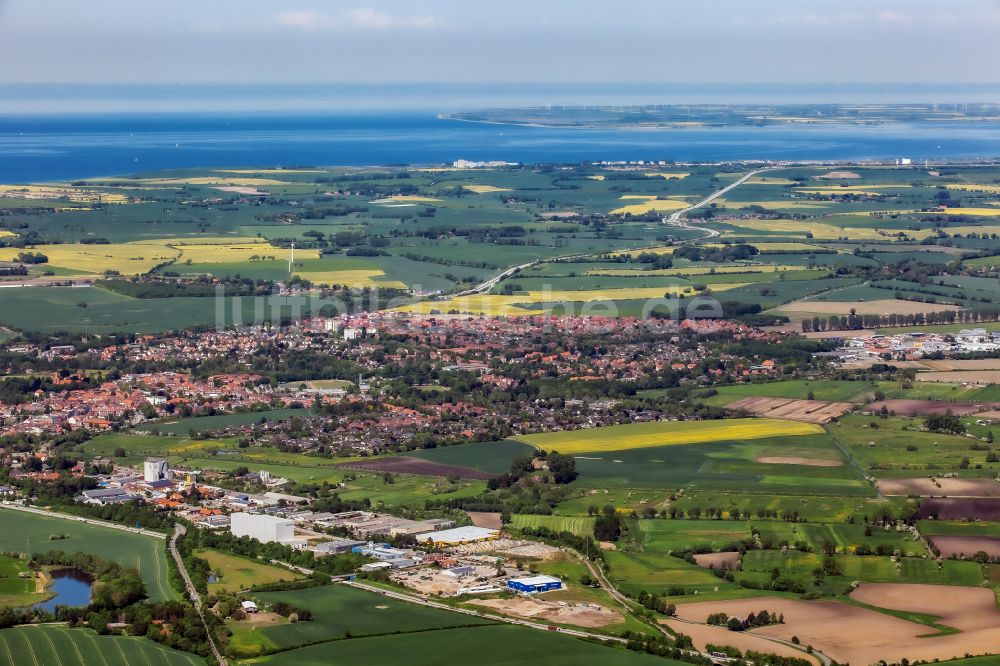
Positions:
(407, 465)
(703, 634)
(911, 407)
(851, 634)
(885, 306)
(728, 560)
(967, 546)
(810, 411)
(924, 487)
(981, 377)
(960, 509)
(963, 364)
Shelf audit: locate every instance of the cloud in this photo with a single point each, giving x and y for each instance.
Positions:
(357, 19)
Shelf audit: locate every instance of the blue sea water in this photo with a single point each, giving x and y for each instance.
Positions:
(49, 133)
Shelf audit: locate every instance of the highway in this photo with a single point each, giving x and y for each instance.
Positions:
(675, 219)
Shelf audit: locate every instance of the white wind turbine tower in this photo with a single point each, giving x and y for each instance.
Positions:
(291, 259)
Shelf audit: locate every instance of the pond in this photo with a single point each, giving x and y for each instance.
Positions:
(71, 587)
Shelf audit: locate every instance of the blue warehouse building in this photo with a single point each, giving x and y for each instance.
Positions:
(534, 584)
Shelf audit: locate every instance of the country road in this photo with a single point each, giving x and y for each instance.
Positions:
(179, 531)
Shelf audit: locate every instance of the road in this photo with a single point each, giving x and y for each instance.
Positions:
(179, 531)
(675, 219)
(88, 521)
(485, 287)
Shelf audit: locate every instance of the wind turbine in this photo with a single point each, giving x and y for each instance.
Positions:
(291, 259)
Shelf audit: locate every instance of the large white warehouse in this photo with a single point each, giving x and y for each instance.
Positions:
(262, 527)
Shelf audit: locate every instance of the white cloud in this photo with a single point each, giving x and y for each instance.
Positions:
(363, 19)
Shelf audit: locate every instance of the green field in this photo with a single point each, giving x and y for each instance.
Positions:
(58, 645)
(22, 531)
(210, 423)
(16, 590)
(657, 572)
(578, 525)
(726, 466)
(958, 528)
(663, 536)
(60, 309)
(869, 569)
(235, 573)
(898, 448)
(832, 390)
(810, 507)
(339, 612)
(502, 645)
(492, 457)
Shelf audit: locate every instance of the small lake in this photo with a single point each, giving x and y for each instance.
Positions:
(71, 587)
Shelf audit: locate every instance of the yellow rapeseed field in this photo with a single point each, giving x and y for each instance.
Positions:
(61, 192)
(664, 249)
(6, 234)
(350, 278)
(818, 230)
(668, 176)
(983, 212)
(485, 189)
(692, 270)
(665, 433)
(406, 198)
(126, 258)
(238, 252)
(974, 187)
(651, 205)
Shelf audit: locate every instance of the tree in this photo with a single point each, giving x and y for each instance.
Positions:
(563, 468)
(607, 527)
(945, 423)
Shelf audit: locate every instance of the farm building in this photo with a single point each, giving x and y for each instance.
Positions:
(534, 584)
(265, 529)
(458, 536)
(248, 606)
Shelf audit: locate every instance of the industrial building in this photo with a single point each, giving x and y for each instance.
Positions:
(155, 469)
(534, 584)
(265, 529)
(458, 536)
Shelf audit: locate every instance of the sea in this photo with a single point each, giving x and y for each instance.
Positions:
(66, 132)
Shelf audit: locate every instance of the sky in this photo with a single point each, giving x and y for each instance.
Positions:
(572, 41)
